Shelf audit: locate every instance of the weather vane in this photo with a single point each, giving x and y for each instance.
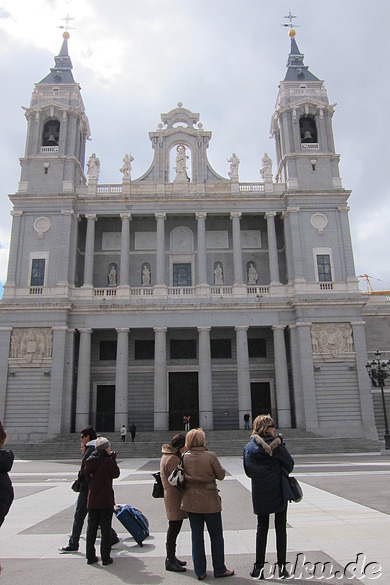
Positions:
(67, 27)
(290, 17)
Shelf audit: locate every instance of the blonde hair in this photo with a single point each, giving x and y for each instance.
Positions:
(195, 438)
(262, 423)
(3, 435)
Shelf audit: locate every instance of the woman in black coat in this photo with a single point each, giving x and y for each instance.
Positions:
(6, 489)
(268, 463)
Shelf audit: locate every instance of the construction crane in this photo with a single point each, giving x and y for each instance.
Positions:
(370, 290)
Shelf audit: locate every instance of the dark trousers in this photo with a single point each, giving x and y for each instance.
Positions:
(281, 536)
(78, 520)
(214, 527)
(174, 528)
(99, 517)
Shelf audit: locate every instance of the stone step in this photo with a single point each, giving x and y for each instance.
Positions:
(224, 443)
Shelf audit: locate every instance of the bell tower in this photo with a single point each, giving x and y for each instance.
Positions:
(57, 132)
(302, 127)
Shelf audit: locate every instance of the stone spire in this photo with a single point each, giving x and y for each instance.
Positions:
(62, 71)
(296, 70)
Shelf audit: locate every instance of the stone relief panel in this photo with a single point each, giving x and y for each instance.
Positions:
(250, 239)
(32, 345)
(332, 338)
(217, 240)
(111, 240)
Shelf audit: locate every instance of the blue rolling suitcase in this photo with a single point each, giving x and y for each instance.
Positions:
(134, 522)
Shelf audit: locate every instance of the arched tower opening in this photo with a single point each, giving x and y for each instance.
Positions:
(308, 130)
(51, 133)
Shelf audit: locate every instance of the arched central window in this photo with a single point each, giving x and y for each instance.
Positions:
(51, 133)
(308, 130)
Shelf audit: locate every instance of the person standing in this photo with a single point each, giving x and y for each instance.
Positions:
(202, 503)
(6, 488)
(268, 463)
(87, 445)
(132, 429)
(100, 470)
(171, 454)
(246, 421)
(123, 434)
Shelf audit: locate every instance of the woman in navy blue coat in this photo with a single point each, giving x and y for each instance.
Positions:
(268, 463)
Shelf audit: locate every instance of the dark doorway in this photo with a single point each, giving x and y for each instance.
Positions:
(261, 399)
(183, 399)
(105, 409)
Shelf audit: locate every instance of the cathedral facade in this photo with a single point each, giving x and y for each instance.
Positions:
(182, 292)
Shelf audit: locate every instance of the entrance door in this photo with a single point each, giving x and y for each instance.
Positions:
(183, 399)
(105, 408)
(261, 399)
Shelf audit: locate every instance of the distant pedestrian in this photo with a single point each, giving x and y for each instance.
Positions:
(100, 470)
(186, 420)
(246, 419)
(6, 489)
(123, 434)
(268, 463)
(132, 430)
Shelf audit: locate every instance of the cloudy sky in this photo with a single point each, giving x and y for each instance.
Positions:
(135, 59)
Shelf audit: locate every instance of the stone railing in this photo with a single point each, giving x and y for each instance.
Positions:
(49, 149)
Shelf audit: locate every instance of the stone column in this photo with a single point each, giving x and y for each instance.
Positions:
(83, 379)
(125, 247)
(243, 374)
(68, 381)
(160, 252)
(281, 378)
(296, 373)
(307, 377)
(13, 250)
(202, 255)
(294, 253)
(122, 378)
(347, 246)
(205, 383)
(89, 250)
(161, 422)
(366, 404)
(5, 338)
(272, 248)
(57, 381)
(66, 229)
(235, 216)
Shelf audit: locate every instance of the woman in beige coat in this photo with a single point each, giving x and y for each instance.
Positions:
(171, 454)
(202, 503)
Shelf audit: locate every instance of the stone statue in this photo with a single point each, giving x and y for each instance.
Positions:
(126, 167)
(145, 275)
(93, 166)
(218, 273)
(112, 274)
(181, 157)
(253, 275)
(234, 162)
(266, 169)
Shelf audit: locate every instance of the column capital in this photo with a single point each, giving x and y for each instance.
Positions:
(235, 215)
(160, 215)
(200, 215)
(241, 328)
(160, 329)
(270, 214)
(16, 213)
(122, 329)
(63, 328)
(69, 212)
(5, 329)
(343, 208)
(303, 324)
(92, 216)
(278, 327)
(84, 330)
(358, 323)
(126, 216)
(204, 328)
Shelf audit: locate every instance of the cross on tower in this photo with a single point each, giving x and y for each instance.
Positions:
(290, 17)
(67, 19)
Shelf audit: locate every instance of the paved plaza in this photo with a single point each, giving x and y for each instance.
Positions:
(344, 518)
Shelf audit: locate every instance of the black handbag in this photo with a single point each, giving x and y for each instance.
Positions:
(295, 488)
(177, 478)
(158, 489)
(76, 485)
